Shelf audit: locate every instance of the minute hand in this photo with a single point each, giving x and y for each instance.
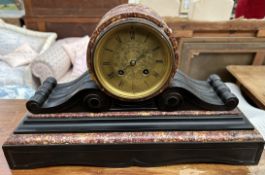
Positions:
(143, 55)
(137, 59)
(140, 57)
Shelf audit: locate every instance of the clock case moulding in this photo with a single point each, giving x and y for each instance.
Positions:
(77, 123)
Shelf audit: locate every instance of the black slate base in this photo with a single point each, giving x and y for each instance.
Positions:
(158, 122)
(155, 141)
(123, 155)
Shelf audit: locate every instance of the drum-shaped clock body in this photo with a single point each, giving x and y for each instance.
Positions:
(131, 55)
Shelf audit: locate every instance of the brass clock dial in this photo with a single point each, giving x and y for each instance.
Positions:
(133, 60)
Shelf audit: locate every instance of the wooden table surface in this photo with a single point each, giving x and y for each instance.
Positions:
(11, 112)
(252, 80)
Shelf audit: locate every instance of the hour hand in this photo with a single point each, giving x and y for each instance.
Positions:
(133, 62)
(140, 57)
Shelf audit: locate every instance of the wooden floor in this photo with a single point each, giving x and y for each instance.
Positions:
(11, 111)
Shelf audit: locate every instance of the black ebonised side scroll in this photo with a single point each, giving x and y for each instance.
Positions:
(185, 93)
(82, 95)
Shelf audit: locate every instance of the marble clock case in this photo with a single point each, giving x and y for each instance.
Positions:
(62, 129)
(78, 124)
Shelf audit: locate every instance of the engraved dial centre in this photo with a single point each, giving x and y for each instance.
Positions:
(133, 62)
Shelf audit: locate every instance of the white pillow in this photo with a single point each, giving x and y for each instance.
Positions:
(163, 7)
(11, 37)
(77, 52)
(23, 55)
(211, 10)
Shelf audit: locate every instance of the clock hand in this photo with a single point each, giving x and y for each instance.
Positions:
(133, 62)
(140, 57)
(144, 53)
(126, 67)
(136, 60)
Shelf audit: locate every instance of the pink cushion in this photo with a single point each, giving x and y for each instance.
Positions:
(77, 53)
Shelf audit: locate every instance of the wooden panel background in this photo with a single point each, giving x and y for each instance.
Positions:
(75, 18)
(67, 18)
(69, 8)
(200, 57)
(64, 27)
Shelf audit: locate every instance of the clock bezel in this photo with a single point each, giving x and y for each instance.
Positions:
(163, 38)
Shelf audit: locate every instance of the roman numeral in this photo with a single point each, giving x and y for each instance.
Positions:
(121, 83)
(156, 48)
(106, 63)
(146, 83)
(155, 74)
(118, 38)
(111, 75)
(159, 61)
(146, 37)
(132, 33)
(132, 87)
(110, 50)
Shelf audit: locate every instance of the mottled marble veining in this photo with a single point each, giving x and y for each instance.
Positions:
(137, 114)
(136, 137)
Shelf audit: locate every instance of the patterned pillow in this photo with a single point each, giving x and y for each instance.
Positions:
(54, 62)
(77, 52)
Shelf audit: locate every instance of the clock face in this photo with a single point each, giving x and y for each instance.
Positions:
(133, 60)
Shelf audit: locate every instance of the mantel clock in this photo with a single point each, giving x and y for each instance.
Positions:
(133, 107)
